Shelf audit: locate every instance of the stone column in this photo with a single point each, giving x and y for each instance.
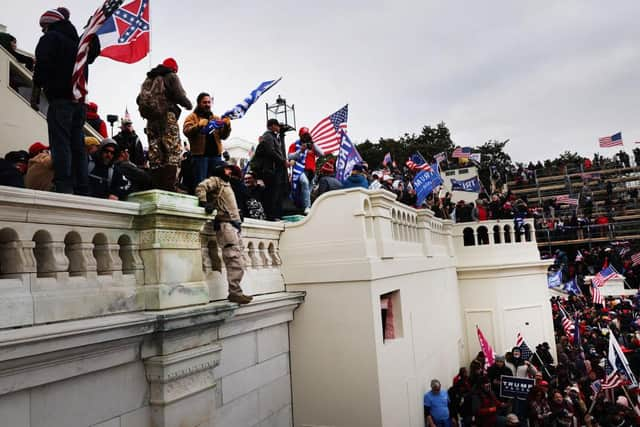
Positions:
(381, 203)
(170, 248)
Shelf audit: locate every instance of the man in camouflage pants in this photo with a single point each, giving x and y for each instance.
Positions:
(163, 133)
(215, 193)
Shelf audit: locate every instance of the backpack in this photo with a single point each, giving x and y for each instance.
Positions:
(152, 102)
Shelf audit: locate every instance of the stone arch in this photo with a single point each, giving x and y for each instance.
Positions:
(125, 252)
(527, 232)
(73, 249)
(9, 262)
(468, 237)
(43, 252)
(497, 238)
(101, 254)
(507, 234)
(483, 235)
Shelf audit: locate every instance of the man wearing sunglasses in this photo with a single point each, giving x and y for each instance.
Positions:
(105, 180)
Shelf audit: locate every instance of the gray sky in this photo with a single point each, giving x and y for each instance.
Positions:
(549, 75)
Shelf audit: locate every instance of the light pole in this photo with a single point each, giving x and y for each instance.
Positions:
(284, 113)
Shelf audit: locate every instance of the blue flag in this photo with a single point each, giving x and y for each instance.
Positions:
(571, 286)
(348, 157)
(471, 185)
(424, 183)
(554, 280)
(240, 110)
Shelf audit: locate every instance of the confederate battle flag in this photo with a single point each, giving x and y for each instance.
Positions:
(124, 36)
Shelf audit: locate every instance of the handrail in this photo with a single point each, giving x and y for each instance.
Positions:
(28, 76)
(589, 232)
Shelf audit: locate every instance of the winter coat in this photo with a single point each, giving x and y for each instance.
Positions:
(174, 93)
(201, 143)
(220, 193)
(327, 183)
(105, 180)
(40, 172)
(55, 58)
(356, 180)
(9, 175)
(269, 158)
(131, 143)
(94, 120)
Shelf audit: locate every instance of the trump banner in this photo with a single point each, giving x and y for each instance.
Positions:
(425, 182)
(472, 185)
(511, 387)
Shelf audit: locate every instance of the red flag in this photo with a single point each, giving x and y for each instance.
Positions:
(486, 348)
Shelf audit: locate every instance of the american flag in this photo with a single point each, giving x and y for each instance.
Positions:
(78, 78)
(611, 141)
(326, 134)
(596, 386)
(566, 200)
(525, 351)
(461, 153)
(635, 258)
(387, 159)
(603, 276)
(567, 324)
(617, 364)
(596, 296)
(440, 157)
(417, 163)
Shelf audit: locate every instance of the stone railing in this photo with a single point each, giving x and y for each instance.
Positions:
(66, 257)
(365, 225)
(487, 242)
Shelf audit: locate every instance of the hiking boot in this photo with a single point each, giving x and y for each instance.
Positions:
(240, 299)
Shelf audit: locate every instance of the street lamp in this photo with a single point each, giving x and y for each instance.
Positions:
(284, 113)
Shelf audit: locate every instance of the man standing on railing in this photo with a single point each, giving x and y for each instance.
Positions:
(55, 58)
(215, 193)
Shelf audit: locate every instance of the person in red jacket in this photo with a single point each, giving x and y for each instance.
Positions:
(303, 153)
(95, 121)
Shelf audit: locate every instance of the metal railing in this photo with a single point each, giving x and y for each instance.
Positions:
(588, 233)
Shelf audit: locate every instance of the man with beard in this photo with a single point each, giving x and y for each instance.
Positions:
(105, 180)
(215, 193)
(128, 141)
(206, 149)
(270, 164)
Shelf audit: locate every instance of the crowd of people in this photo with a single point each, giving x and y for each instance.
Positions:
(575, 389)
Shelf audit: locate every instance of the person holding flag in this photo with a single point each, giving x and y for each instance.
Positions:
(56, 54)
(206, 148)
(303, 153)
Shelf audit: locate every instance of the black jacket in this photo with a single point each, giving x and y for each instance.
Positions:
(9, 175)
(55, 57)
(131, 143)
(105, 180)
(269, 157)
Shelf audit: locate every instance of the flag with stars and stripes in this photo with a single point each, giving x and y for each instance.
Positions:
(603, 276)
(125, 36)
(567, 324)
(326, 134)
(78, 78)
(525, 351)
(596, 295)
(461, 153)
(635, 258)
(617, 366)
(416, 162)
(611, 141)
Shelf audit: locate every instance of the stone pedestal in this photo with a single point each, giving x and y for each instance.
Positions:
(170, 248)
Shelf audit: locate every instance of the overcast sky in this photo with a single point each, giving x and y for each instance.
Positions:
(549, 75)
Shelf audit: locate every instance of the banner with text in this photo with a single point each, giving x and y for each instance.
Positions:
(515, 386)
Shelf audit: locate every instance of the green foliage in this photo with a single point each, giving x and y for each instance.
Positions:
(431, 141)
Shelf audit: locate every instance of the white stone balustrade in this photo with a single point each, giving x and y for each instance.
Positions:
(490, 242)
(66, 257)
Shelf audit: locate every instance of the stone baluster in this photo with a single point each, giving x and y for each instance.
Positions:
(82, 261)
(51, 260)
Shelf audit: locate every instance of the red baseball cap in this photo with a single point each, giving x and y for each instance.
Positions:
(36, 148)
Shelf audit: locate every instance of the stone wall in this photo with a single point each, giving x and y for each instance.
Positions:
(114, 314)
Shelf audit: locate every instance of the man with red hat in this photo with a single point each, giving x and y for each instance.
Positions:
(158, 102)
(327, 181)
(55, 59)
(304, 153)
(95, 121)
(40, 171)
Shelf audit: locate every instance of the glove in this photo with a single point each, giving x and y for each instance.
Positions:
(203, 122)
(237, 225)
(226, 120)
(208, 207)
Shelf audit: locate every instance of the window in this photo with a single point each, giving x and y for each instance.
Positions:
(391, 315)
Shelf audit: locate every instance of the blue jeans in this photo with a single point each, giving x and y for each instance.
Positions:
(305, 191)
(203, 167)
(443, 423)
(65, 120)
